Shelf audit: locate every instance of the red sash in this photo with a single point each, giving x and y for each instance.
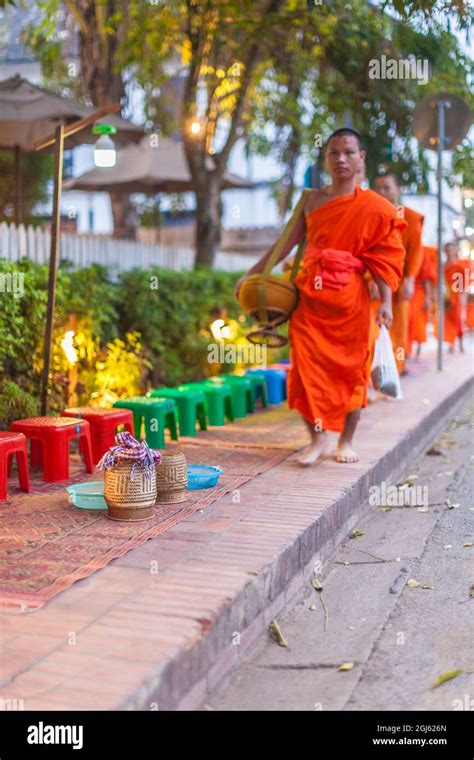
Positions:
(332, 265)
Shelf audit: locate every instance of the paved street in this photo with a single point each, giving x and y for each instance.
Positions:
(400, 639)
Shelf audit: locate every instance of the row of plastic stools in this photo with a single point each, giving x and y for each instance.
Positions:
(49, 442)
(213, 400)
(227, 396)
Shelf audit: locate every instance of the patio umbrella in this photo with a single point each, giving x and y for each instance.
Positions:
(29, 113)
(31, 119)
(144, 168)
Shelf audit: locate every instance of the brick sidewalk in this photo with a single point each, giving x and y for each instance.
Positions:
(126, 638)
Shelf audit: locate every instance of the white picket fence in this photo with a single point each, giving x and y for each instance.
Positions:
(17, 242)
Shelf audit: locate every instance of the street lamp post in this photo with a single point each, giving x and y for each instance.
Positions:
(441, 105)
(440, 122)
(60, 134)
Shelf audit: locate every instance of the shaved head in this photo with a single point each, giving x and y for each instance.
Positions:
(343, 156)
(345, 132)
(393, 175)
(388, 185)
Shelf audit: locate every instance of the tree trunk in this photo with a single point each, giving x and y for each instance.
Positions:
(208, 220)
(124, 215)
(104, 84)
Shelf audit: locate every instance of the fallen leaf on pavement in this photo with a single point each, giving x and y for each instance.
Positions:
(357, 534)
(386, 509)
(434, 452)
(346, 666)
(423, 509)
(316, 584)
(275, 631)
(312, 607)
(448, 676)
(448, 546)
(451, 506)
(412, 583)
(467, 545)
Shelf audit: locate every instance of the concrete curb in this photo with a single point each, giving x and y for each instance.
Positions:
(183, 682)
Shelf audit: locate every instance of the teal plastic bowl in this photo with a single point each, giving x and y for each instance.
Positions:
(202, 476)
(87, 495)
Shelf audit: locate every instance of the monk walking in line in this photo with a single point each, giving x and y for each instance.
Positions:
(389, 186)
(457, 275)
(423, 299)
(348, 230)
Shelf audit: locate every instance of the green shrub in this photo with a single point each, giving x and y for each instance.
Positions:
(126, 333)
(173, 318)
(15, 403)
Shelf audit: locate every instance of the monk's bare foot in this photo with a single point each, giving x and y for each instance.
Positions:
(314, 452)
(345, 453)
(451, 350)
(371, 395)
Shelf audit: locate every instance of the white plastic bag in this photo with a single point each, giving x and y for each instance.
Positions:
(384, 374)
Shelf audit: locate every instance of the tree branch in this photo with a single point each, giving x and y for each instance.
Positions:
(249, 63)
(80, 20)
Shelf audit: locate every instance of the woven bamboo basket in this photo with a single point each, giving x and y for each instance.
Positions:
(129, 500)
(171, 478)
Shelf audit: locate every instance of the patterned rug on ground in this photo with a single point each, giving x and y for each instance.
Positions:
(272, 428)
(46, 544)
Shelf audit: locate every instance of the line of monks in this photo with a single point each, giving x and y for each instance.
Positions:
(415, 300)
(363, 266)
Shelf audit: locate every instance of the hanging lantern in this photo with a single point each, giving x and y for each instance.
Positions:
(105, 155)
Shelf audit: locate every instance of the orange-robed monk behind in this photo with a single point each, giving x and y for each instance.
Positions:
(457, 276)
(348, 230)
(423, 299)
(389, 186)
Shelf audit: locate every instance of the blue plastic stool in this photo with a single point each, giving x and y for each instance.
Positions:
(259, 384)
(276, 384)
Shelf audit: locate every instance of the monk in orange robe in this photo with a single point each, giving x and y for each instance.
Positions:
(457, 275)
(348, 230)
(470, 312)
(423, 299)
(389, 186)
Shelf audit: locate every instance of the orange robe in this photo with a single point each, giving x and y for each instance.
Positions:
(418, 314)
(329, 329)
(470, 313)
(411, 238)
(457, 278)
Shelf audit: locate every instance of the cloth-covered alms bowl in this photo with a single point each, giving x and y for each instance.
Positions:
(268, 299)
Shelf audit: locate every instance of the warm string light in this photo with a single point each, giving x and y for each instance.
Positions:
(67, 346)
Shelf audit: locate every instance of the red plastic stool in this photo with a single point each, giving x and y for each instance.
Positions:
(49, 444)
(103, 424)
(12, 444)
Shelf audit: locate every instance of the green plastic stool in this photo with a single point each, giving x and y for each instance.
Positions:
(153, 410)
(259, 385)
(192, 407)
(220, 403)
(242, 393)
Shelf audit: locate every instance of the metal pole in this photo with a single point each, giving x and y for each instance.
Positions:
(17, 180)
(441, 138)
(53, 263)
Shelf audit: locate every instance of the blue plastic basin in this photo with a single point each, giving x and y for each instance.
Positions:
(202, 476)
(87, 495)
